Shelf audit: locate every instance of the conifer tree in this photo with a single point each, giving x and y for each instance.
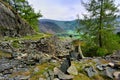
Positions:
(100, 23)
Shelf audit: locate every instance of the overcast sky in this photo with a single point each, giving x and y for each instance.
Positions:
(59, 9)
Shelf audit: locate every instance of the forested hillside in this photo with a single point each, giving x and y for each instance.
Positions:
(50, 27)
(64, 25)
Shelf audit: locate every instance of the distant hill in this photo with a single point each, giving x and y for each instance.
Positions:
(54, 26)
(50, 27)
(63, 27)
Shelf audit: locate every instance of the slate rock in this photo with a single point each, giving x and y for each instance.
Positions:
(62, 75)
(65, 65)
(97, 61)
(24, 77)
(36, 69)
(1, 74)
(90, 71)
(56, 79)
(111, 64)
(2, 78)
(116, 75)
(8, 21)
(49, 75)
(53, 61)
(7, 72)
(11, 79)
(46, 74)
(72, 70)
(117, 66)
(101, 67)
(74, 55)
(42, 79)
(109, 72)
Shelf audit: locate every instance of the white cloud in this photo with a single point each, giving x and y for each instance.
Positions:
(59, 9)
(56, 9)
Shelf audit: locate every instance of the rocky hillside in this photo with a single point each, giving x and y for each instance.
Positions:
(50, 27)
(11, 23)
(51, 58)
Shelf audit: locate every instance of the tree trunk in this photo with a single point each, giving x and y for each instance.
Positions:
(100, 27)
(80, 51)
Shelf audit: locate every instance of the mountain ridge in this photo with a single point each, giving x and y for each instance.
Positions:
(63, 25)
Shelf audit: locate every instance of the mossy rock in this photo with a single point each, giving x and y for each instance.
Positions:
(42, 69)
(81, 77)
(4, 54)
(97, 77)
(16, 44)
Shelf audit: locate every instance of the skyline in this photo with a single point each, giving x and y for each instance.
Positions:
(60, 9)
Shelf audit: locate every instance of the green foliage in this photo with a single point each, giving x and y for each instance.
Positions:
(111, 42)
(29, 37)
(26, 12)
(101, 52)
(16, 44)
(91, 51)
(89, 48)
(100, 24)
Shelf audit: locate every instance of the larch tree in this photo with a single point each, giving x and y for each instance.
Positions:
(100, 23)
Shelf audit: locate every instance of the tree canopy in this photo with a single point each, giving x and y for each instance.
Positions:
(100, 22)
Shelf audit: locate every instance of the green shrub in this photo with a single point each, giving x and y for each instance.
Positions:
(15, 44)
(90, 52)
(95, 51)
(110, 42)
(101, 52)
